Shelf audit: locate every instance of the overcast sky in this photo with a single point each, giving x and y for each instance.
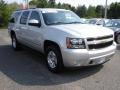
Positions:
(76, 2)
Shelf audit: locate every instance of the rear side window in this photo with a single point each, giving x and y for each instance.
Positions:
(24, 17)
(12, 20)
(15, 17)
(17, 14)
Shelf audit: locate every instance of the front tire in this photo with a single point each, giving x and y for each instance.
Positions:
(118, 39)
(54, 59)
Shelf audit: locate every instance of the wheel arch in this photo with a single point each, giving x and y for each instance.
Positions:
(48, 43)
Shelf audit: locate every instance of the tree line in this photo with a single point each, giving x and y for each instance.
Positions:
(81, 10)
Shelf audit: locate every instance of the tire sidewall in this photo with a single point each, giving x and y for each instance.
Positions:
(59, 64)
(117, 39)
(16, 42)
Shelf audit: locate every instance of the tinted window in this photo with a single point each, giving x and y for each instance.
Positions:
(15, 17)
(17, 14)
(60, 17)
(113, 23)
(35, 15)
(24, 17)
(116, 24)
(12, 20)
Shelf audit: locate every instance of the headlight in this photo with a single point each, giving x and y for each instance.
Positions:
(75, 43)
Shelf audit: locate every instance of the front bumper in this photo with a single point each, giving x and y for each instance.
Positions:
(84, 57)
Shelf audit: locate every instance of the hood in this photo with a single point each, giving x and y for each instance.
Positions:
(84, 30)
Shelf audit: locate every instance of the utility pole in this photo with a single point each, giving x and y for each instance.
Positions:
(106, 9)
(27, 2)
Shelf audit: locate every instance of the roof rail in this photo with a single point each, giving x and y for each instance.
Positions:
(24, 9)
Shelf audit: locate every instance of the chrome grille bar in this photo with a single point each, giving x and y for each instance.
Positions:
(100, 42)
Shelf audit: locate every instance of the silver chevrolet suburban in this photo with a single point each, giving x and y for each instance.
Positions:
(62, 37)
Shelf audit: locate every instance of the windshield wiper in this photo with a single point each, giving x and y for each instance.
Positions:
(56, 23)
(74, 22)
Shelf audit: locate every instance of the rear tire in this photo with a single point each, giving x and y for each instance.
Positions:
(15, 44)
(54, 59)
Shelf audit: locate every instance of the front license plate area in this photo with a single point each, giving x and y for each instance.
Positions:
(98, 61)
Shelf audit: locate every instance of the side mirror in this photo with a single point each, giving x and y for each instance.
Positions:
(34, 22)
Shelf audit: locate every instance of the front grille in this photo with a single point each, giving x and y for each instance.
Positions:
(99, 38)
(102, 45)
(100, 42)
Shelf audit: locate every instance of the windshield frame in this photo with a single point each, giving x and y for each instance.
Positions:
(59, 22)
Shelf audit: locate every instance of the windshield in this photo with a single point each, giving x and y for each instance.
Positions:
(113, 23)
(60, 17)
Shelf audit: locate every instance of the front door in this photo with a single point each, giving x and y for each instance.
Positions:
(34, 32)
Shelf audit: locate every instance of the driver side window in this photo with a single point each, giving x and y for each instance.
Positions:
(35, 16)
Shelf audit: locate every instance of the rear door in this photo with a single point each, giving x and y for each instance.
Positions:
(23, 27)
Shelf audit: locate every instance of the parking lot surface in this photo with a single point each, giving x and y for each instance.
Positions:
(26, 70)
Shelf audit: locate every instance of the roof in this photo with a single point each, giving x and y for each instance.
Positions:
(43, 9)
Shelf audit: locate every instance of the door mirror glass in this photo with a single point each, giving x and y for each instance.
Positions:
(34, 22)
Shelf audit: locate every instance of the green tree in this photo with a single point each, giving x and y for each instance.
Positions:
(13, 6)
(99, 11)
(39, 3)
(59, 5)
(51, 3)
(114, 11)
(42, 3)
(33, 2)
(91, 12)
(3, 7)
(81, 11)
(73, 9)
(5, 12)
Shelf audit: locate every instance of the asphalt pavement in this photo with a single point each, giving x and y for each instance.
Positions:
(26, 70)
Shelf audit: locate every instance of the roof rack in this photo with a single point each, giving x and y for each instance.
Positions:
(24, 9)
